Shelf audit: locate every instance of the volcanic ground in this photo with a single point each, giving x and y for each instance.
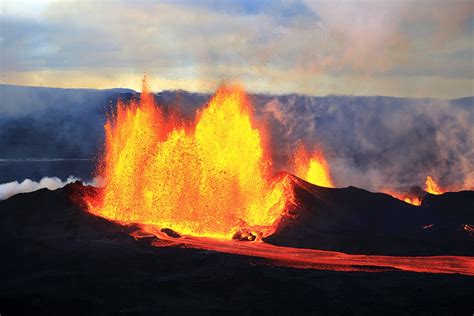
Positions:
(60, 259)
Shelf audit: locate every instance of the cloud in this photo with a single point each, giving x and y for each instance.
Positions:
(278, 46)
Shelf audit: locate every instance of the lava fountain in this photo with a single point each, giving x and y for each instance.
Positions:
(432, 187)
(312, 167)
(211, 177)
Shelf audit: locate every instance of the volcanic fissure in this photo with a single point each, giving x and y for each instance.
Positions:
(209, 180)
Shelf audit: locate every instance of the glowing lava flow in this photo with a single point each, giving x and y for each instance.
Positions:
(208, 178)
(413, 200)
(432, 187)
(320, 259)
(312, 167)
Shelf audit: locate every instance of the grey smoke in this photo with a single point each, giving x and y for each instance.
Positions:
(377, 142)
(49, 122)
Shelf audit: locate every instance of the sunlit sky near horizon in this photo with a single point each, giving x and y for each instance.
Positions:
(396, 48)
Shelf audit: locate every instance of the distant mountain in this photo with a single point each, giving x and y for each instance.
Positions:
(120, 90)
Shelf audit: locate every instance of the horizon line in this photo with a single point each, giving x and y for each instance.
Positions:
(247, 91)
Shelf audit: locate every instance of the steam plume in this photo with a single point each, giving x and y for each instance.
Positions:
(51, 183)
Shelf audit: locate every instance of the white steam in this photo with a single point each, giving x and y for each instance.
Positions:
(51, 183)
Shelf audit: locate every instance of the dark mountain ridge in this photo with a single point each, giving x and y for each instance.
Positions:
(354, 220)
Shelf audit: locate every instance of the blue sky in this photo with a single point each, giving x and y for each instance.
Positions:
(398, 47)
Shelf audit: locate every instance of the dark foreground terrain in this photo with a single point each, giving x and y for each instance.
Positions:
(59, 260)
(354, 220)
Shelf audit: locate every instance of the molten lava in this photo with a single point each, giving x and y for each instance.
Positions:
(432, 187)
(323, 259)
(407, 198)
(312, 167)
(413, 200)
(210, 177)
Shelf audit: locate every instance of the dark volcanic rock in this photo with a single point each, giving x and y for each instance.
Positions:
(58, 259)
(358, 221)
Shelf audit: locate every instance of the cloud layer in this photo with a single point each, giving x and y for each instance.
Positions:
(402, 48)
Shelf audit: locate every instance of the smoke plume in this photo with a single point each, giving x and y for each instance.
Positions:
(51, 183)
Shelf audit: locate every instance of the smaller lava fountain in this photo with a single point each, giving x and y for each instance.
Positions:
(416, 198)
(312, 167)
(432, 187)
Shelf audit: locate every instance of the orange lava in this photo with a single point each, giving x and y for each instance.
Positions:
(323, 259)
(432, 187)
(413, 200)
(312, 167)
(211, 177)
